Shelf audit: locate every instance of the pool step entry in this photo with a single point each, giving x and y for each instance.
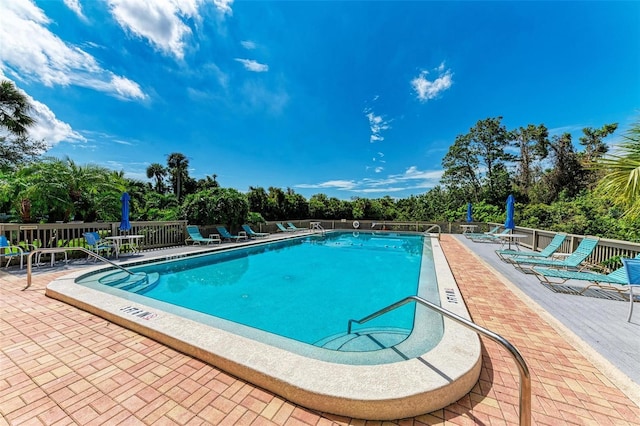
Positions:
(136, 283)
(369, 339)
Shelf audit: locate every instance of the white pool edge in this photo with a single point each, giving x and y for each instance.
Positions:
(375, 392)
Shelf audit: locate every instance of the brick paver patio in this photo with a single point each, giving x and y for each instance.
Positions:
(60, 365)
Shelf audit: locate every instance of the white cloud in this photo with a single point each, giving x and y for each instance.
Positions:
(31, 52)
(47, 127)
(377, 124)
(74, 5)
(248, 44)
(158, 21)
(223, 6)
(252, 65)
(162, 22)
(126, 88)
(426, 89)
(338, 184)
(411, 179)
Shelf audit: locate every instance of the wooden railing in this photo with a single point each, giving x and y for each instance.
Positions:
(363, 225)
(605, 255)
(48, 235)
(173, 233)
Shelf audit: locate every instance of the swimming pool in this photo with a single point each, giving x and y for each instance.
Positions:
(358, 382)
(269, 287)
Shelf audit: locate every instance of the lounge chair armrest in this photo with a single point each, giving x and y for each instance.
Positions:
(11, 250)
(28, 247)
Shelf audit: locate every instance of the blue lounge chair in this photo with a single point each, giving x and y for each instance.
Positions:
(97, 244)
(617, 280)
(509, 256)
(282, 228)
(228, 236)
(293, 227)
(253, 234)
(10, 251)
(480, 234)
(560, 276)
(196, 238)
(573, 261)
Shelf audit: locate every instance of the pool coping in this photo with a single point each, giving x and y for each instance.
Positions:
(377, 392)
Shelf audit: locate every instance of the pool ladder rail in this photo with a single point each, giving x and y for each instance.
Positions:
(82, 249)
(525, 376)
(318, 227)
(432, 228)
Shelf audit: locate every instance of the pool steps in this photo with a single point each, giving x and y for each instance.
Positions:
(363, 340)
(137, 283)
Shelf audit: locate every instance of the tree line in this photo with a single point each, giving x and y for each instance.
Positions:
(560, 188)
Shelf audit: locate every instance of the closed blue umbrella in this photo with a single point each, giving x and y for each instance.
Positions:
(469, 213)
(511, 209)
(125, 225)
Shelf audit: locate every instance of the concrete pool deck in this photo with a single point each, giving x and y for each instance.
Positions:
(61, 365)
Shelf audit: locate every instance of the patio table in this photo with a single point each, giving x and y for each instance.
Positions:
(511, 238)
(468, 228)
(123, 241)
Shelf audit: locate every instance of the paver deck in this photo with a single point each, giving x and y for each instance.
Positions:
(60, 365)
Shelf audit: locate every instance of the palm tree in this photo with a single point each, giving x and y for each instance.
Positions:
(158, 172)
(14, 109)
(178, 165)
(622, 179)
(15, 145)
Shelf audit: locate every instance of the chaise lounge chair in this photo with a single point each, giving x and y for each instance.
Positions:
(197, 238)
(616, 280)
(228, 236)
(253, 234)
(283, 229)
(293, 227)
(509, 256)
(470, 235)
(573, 261)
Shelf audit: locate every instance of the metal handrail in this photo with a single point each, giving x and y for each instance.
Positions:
(436, 226)
(58, 250)
(525, 377)
(319, 227)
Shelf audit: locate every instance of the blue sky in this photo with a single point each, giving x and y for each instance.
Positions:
(341, 98)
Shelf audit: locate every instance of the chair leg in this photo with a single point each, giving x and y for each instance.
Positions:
(630, 303)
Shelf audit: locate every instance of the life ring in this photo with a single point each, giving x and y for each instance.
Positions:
(356, 224)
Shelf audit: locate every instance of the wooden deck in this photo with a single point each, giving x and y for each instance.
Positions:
(598, 318)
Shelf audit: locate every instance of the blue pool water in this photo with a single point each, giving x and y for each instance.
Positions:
(304, 289)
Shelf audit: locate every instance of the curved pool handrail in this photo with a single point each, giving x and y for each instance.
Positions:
(432, 227)
(58, 250)
(525, 376)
